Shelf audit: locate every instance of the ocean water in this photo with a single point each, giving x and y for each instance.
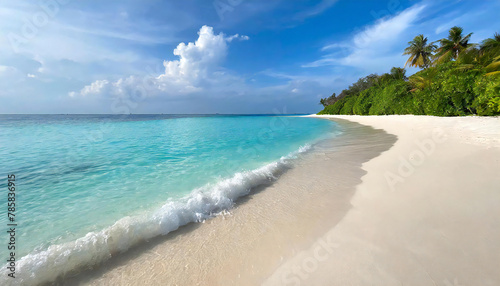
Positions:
(90, 186)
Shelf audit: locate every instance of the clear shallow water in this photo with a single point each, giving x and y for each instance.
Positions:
(89, 186)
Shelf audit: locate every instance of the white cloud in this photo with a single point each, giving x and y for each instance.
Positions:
(73, 42)
(6, 69)
(198, 76)
(373, 46)
(95, 88)
(387, 29)
(197, 69)
(316, 10)
(237, 36)
(335, 45)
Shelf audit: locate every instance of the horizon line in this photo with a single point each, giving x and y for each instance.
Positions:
(154, 113)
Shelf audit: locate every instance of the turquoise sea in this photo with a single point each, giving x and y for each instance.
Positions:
(90, 186)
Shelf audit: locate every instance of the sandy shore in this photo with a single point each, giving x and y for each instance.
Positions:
(426, 213)
(265, 229)
(358, 211)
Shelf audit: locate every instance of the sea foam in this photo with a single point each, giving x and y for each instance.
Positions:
(96, 247)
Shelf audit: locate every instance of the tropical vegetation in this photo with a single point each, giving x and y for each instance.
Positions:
(420, 52)
(457, 78)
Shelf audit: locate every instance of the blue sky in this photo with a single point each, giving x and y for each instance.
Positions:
(222, 56)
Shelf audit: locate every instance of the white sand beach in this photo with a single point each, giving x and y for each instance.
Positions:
(425, 211)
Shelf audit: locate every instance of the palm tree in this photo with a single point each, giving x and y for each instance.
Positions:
(454, 45)
(494, 67)
(398, 73)
(420, 52)
(491, 45)
(424, 79)
(469, 59)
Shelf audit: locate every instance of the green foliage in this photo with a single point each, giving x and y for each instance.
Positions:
(334, 108)
(329, 100)
(398, 73)
(451, 47)
(464, 80)
(459, 85)
(362, 84)
(491, 46)
(494, 67)
(488, 101)
(444, 90)
(392, 98)
(349, 102)
(420, 52)
(431, 98)
(364, 102)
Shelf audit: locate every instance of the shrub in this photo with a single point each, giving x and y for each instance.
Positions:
(363, 102)
(488, 101)
(448, 89)
(390, 98)
(348, 105)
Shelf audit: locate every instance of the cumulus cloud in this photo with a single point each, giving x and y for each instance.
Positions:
(97, 87)
(197, 82)
(197, 69)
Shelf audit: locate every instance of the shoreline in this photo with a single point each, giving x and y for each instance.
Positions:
(426, 213)
(366, 221)
(265, 228)
(208, 178)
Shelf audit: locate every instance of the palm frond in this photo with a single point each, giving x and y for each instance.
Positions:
(419, 52)
(493, 73)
